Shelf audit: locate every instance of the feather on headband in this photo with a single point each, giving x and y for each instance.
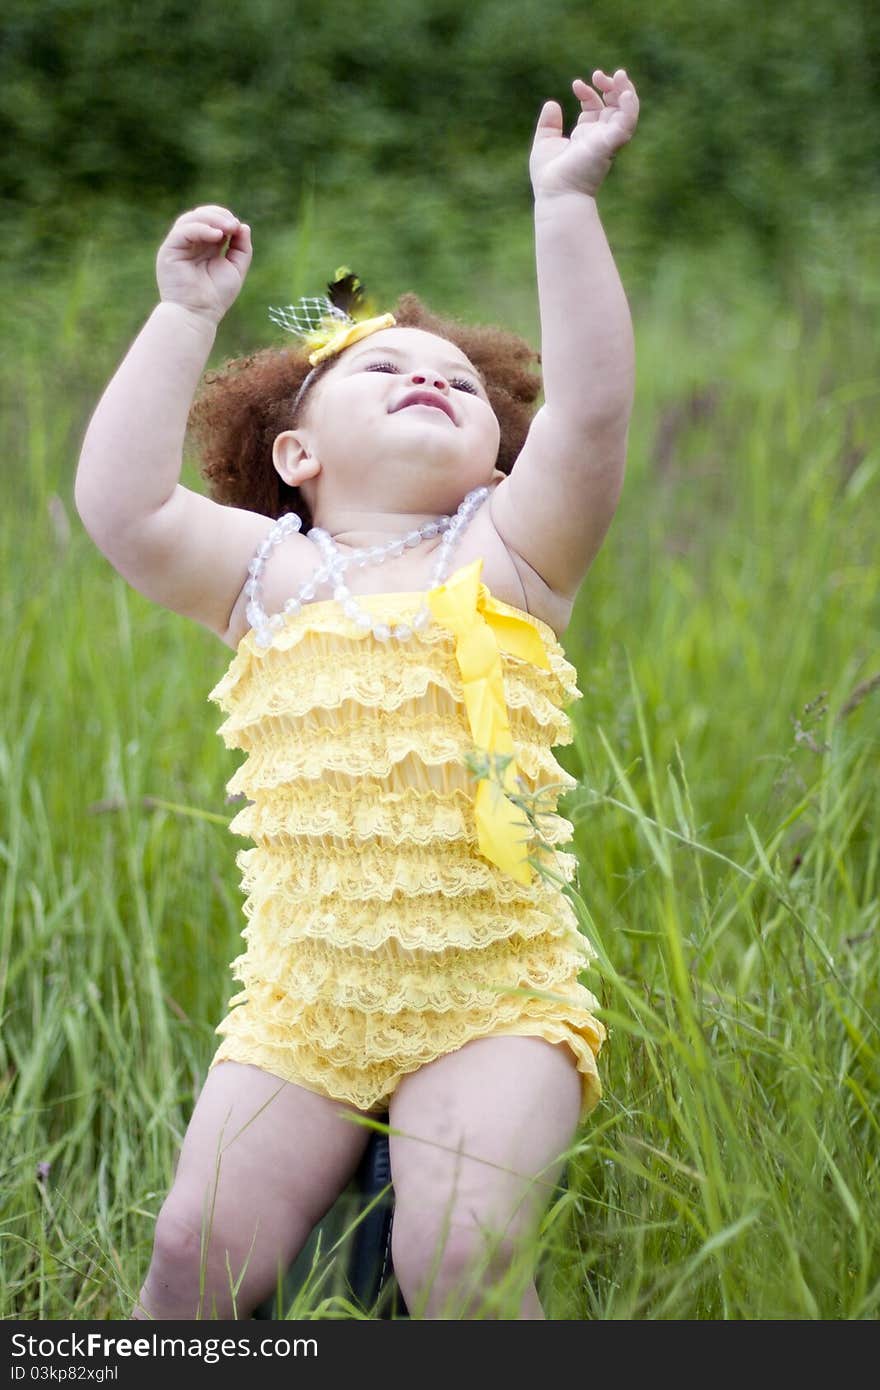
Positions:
(328, 323)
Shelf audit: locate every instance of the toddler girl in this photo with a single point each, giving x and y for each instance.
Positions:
(391, 548)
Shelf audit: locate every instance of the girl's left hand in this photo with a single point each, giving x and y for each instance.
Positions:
(607, 121)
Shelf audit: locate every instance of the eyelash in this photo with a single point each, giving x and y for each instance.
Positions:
(459, 382)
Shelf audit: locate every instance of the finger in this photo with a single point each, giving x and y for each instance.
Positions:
(623, 81)
(240, 252)
(614, 108)
(622, 117)
(197, 233)
(549, 121)
(590, 100)
(212, 212)
(217, 219)
(611, 86)
(621, 123)
(629, 104)
(582, 90)
(602, 80)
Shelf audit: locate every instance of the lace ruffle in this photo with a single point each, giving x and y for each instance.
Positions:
(430, 924)
(381, 680)
(346, 1036)
(369, 811)
(371, 870)
(289, 977)
(377, 753)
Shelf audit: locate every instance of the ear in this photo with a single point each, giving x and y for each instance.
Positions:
(292, 458)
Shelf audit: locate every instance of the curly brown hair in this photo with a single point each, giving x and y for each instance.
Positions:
(244, 406)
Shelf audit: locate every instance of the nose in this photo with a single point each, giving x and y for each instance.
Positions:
(427, 378)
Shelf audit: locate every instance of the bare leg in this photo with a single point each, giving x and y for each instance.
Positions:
(487, 1128)
(262, 1161)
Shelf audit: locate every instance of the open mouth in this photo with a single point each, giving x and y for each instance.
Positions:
(429, 398)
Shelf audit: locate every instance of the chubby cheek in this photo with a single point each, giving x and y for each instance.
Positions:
(491, 432)
(345, 422)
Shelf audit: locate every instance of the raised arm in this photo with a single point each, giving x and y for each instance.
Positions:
(555, 508)
(177, 547)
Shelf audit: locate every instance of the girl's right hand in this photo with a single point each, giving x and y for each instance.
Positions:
(196, 268)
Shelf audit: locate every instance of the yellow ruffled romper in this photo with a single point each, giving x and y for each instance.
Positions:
(394, 908)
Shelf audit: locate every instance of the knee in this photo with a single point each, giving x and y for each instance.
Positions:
(432, 1257)
(171, 1286)
(178, 1240)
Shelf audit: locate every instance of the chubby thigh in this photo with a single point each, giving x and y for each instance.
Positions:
(261, 1162)
(479, 1142)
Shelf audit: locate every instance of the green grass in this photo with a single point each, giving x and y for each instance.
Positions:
(726, 820)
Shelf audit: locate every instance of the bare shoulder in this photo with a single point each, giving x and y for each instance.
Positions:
(510, 576)
(296, 559)
(555, 507)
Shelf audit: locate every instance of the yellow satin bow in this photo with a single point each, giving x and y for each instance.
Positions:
(481, 625)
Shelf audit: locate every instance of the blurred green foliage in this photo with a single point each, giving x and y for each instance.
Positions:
(112, 111)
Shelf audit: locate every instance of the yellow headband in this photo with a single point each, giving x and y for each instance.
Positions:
(333, 336)
(329, 323)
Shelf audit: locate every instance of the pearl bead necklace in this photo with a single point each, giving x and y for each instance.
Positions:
(335, 565)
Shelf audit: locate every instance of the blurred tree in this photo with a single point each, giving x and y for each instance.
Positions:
(753, 114)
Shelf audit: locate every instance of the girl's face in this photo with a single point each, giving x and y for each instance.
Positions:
(401, 419)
